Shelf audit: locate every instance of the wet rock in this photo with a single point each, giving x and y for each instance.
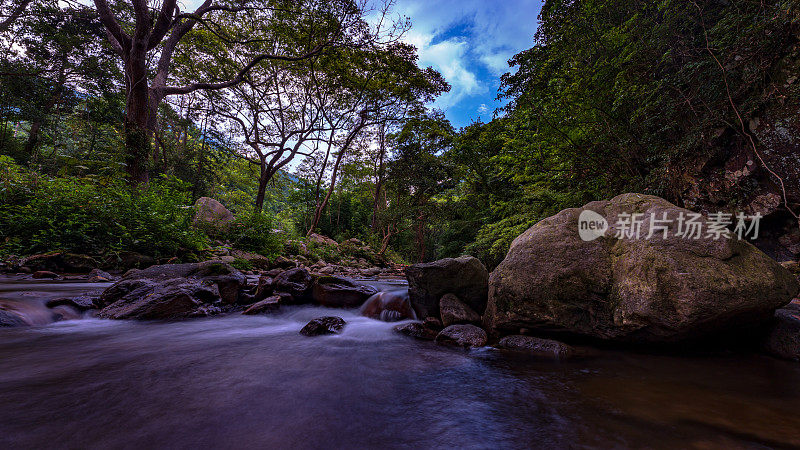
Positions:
(227, 280)
(81, 303)
(323, 325)
(388, 307)
(268, 305)
(60, 262)
(462, 336)
(99, 276)
(211, 213)
(417, 330)
(44, 274)
(783, 335)
(465, 277)
(9, 319)
(659, 290)
(339, 292)
(433, 323)
(155, 300)
(545, 348)
(264, 288)
(453, 311)
(297, 282)
(129, 260)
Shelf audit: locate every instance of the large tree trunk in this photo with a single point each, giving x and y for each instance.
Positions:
(137, 108)
(262, 189)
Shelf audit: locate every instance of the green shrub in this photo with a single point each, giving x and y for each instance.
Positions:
(254, 232)
(93, 215)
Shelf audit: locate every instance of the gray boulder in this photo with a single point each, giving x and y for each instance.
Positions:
(632, 290)
(213, 214)
(465, 277)
(453, 311)
(173, 291)
(462, 336)
(150, 300)
(298, 282)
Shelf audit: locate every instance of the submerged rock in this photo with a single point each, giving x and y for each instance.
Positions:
(323, 325)
(783, 335)
(9, 319)
(465, 277)
(417, 330)
(44, 274)
(82, 302)
(632, 290)
(388, 307)
(453, 311)
(462, 336)
(546, 348)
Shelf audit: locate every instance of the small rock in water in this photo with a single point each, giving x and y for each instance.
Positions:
(416, 330)
(82, 302)
(44, 274)
(546, 348)
(323, 325)
(267, 305)
(463, 336)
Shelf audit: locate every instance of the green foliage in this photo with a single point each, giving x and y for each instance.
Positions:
(93, 215)
(254, 232)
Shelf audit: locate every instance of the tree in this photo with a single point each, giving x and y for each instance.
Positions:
(156, 34)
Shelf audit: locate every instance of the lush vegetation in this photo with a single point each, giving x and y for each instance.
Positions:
(305, 117)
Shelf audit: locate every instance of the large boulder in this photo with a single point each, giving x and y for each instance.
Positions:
(173, 291)
(211, 213)
(417, 330)
(783, 335)
(454, 311)
(340, 292)
(465, 277)
(661, 289)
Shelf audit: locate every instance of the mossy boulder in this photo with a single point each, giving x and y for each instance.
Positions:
(661, 289)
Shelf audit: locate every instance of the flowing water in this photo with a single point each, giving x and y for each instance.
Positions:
(244, 382)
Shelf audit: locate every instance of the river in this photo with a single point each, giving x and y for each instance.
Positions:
(245, 381)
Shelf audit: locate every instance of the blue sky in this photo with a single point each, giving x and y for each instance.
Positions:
(469, 42)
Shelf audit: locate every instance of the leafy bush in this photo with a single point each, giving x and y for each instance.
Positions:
(93, 215)
(254, 232)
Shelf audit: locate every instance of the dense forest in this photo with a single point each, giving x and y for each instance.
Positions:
(306, 116)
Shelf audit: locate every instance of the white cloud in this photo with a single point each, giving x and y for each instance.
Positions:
(483, 109)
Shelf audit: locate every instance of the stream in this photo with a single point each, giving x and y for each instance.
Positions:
(254, 381)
